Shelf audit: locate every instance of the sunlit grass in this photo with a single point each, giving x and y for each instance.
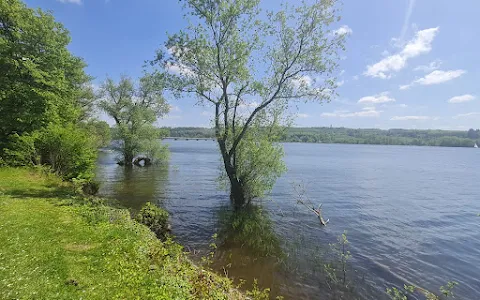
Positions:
(52, 248)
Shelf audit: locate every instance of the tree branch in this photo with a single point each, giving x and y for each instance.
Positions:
(227, 107)
(282, 81)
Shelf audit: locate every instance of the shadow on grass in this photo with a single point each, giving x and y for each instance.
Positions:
(53, 192)
(60, 195)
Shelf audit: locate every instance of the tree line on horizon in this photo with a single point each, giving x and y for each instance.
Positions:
(341, 135)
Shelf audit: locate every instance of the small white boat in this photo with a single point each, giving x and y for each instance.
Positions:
(475, 146)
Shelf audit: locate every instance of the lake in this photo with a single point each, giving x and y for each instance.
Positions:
(410, 212)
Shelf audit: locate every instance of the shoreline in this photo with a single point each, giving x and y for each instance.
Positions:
(62, 243)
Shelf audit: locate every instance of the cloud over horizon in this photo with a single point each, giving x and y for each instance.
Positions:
(461, 99)
(420, 44)
(376, 99)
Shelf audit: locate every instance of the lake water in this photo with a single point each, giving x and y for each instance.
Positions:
(410, 212)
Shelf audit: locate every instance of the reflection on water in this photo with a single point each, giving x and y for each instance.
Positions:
(132, 187)
(410, 212)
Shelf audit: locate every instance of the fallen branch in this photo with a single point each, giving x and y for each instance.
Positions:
(317, 211)
(309, 205)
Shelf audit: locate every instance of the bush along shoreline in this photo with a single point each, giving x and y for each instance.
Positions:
(59, 244)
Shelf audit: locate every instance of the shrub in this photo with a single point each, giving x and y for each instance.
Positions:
(154, 218)
(20, 150)
(68, 150)
(91, 188)
(87, 187)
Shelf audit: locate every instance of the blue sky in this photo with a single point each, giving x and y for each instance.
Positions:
(408, 64)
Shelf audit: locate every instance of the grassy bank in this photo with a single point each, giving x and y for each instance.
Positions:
(55, 245)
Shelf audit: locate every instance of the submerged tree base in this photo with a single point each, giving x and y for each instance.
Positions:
(251, 229)
(142, 161)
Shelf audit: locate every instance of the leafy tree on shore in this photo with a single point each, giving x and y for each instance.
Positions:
(100, 130)
(250, 71)
(135, 107)
(45, 95)
(41, 82)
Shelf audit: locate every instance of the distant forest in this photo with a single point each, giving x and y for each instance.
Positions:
(442, 138)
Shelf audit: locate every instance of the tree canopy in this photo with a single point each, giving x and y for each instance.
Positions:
(250, 67)
(40, 80)
(135, 107)
(44, 94)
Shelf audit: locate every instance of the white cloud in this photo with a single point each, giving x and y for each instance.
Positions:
(302, 81)
(71, 1)
(253, 104)
(461, 99)
(345, 114)
(95, 87)
(437, 77)
(470, 114)
(376, 99)
(420, 44)
(355, 77)
(303, 116)
(340, 83)
(410, 118)
(179, 69)
(434, 65)
(174, 108)
(177, 51)
(172, 50)
(343, 30)
(385, 66)
(369, 108)
(403, 105)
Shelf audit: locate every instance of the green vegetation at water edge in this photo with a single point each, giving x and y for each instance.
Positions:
(135, 107)
(56, 245)
(329, 135)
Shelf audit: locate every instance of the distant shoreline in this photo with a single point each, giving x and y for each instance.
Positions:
(332, 135)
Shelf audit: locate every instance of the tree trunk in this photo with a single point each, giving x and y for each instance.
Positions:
(237, 193)
(128, 159)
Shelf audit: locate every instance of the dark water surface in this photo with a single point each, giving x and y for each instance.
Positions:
(410, 212)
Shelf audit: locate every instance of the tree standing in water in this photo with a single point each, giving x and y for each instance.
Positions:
(135, 108)
(251, 67)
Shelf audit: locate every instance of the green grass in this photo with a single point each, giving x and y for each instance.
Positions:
(55, 245)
